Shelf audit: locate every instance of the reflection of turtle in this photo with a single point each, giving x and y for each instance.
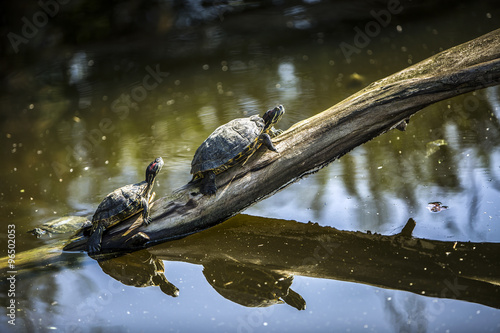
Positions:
(232, 143)
(139, 269)
(123, 203)
(61, 225)
(252, 287)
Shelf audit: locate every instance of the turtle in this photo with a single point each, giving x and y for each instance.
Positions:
(232, 143)
(61, 225)
(123, 203)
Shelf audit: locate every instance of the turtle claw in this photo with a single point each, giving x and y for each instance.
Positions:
(94, 249)
(147, 220)
(277, 132)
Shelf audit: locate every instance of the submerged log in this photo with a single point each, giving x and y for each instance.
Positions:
(315, 142)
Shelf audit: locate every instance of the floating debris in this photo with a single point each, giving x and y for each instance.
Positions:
(436, 207)
(355, 80)
(434, 146)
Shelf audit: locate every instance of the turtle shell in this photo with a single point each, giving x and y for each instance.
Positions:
(119, 205)
(226, 143)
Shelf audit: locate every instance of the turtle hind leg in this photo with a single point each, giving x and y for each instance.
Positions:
(207, 185)
(266, 140)
(94, 242)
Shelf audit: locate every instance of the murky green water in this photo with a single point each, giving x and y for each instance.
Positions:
(79, 122)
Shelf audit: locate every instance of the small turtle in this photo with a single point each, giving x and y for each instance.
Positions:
(61, 225)
(123, 203)
(232, 143)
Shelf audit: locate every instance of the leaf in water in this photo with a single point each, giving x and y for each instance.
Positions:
(433, 146)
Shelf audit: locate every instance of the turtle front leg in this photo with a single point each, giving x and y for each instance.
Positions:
(266, 140)
(208, 183)
(94, 242)
(145, 213)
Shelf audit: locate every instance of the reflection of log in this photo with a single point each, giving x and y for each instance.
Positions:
(464, 271)
(313, 143)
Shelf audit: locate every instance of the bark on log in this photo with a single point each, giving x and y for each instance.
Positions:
(315, 142)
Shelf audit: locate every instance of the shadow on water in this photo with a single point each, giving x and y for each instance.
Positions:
(252, 261)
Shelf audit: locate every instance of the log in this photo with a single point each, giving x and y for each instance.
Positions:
(315, 142)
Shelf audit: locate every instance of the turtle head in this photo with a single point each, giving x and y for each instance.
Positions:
(272, 116)
(153, 169)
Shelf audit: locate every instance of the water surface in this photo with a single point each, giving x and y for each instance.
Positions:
(78, 125)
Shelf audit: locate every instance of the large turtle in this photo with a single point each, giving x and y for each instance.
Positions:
(123, 203)
(232, 143)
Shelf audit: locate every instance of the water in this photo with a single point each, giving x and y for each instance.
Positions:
(80, 122)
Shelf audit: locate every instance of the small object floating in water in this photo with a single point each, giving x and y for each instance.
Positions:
(434, 146)
(355, 80)
(436, 207)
